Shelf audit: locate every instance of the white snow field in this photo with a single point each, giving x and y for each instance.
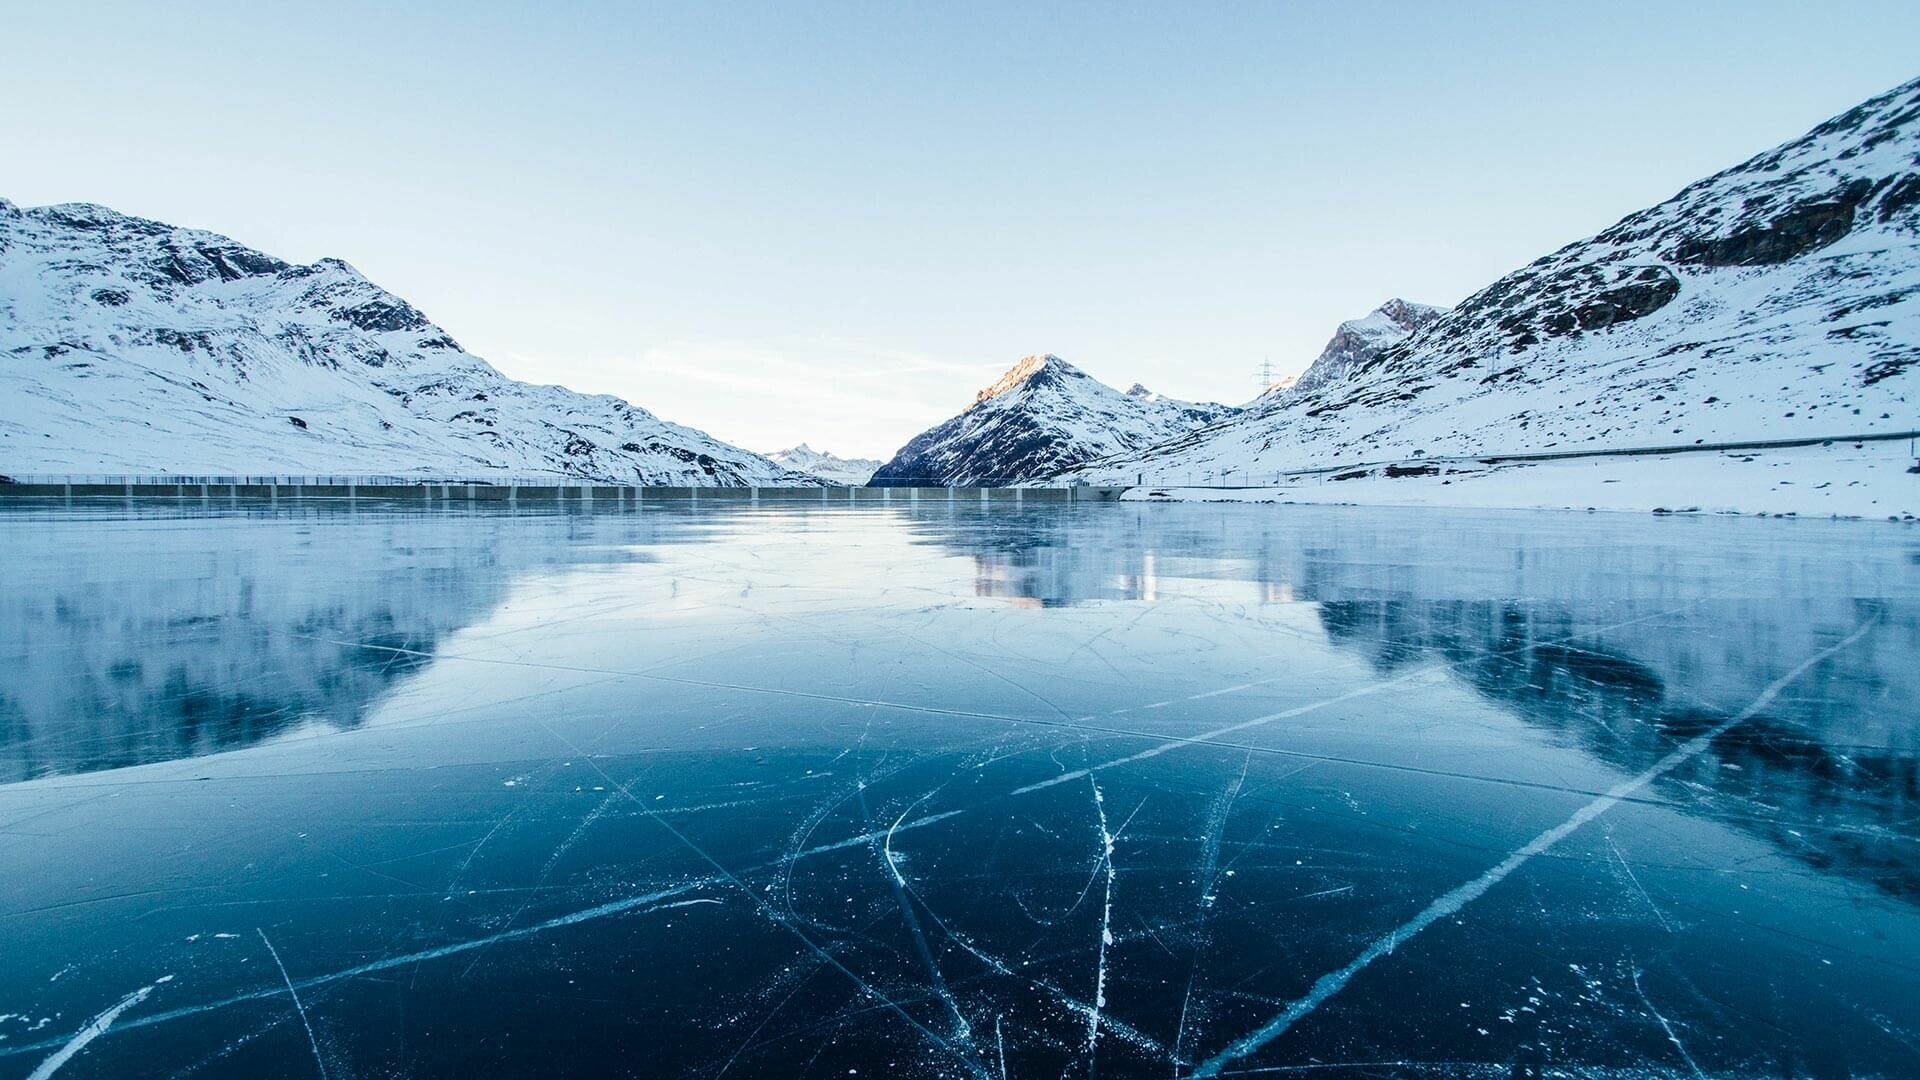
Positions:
(1851, 480)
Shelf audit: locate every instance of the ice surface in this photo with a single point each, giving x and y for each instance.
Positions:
(1108, 789)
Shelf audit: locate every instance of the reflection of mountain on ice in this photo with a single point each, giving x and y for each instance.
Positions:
(1595, 632)
(1819, 762)
(1736, 609)
(139, 644)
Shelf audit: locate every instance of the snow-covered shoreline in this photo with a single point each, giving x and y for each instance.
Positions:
(1848, 480)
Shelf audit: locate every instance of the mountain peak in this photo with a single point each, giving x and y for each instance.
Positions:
(1009, 435)
(1403, 316)
(1039, 367)
(1357, 341)
(341, 265)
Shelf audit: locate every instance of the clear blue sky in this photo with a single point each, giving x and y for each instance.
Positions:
(833, 222)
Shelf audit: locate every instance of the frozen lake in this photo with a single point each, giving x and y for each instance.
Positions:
(1112, 790)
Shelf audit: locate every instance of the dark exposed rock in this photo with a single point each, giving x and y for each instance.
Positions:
(192, 264)
(1900, 195)
(111, 297)
(183, 270)
(236, 262)
(1804, 227)
(378, 315)
(1889, 366)
(1530, 306)
(1653, 288)
(185, 340)
(706, 462)
(297, 422)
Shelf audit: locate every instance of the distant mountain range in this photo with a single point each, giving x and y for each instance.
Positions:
(852, 472)
(1774, 300)
(130, 346)
(1042, 417)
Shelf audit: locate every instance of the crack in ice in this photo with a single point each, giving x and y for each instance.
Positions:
(298, 1005)
(94, 1029)
(1459, 897)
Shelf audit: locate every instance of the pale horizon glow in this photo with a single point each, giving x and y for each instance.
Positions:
(834, 223)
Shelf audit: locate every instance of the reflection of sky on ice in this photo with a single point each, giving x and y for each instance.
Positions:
(1129, 790)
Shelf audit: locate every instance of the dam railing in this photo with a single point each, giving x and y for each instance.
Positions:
(514, 490)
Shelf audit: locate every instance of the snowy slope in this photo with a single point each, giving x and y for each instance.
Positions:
(130, 346)
(1779, 299)
(852, 472)
(1043, 416)
(1358, 341)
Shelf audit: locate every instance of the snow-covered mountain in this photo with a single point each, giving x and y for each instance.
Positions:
(852, 472)
(1360, 340)
(1779, 299)
(1043, 416)
(130, 346)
